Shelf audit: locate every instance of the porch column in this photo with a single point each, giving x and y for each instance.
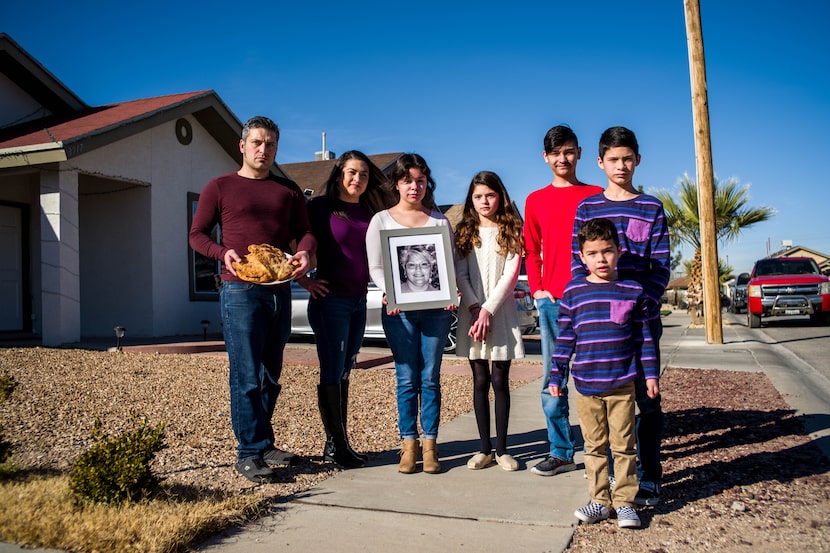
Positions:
(59, 265)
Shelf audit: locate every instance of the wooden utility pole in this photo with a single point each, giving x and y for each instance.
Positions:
(705, 174)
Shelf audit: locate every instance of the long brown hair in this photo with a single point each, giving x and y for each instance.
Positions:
(373, 198)
(508, 219)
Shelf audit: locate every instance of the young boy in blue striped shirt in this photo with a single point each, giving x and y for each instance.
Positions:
(603, 325)
(645, 256)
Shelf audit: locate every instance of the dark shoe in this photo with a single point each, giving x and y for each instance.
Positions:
(256, 470)
(648, 494)
(344, 415)
(552, 466)
(279, 458)
(337, 448)
(592, 513)
(627, 517)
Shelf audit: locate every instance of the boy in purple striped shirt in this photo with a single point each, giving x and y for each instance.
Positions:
(645, 256)
(603, 325)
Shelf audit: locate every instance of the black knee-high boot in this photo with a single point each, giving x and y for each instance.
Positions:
(344, 415)
(337, 448)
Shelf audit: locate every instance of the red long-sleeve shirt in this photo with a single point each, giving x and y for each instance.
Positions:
(548, 227)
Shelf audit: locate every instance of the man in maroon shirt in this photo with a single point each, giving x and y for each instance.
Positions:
(252, 206)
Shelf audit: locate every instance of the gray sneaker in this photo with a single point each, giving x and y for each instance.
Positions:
(552, 466)
(256, 470)
(279, 458)
(627, 517)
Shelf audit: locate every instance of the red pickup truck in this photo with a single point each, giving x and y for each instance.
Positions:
(787, 286)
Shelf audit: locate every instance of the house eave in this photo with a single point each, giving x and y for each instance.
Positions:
(35, 154)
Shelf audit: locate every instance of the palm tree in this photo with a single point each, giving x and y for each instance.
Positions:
(732, 215)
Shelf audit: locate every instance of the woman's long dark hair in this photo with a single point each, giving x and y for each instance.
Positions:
(374, 199)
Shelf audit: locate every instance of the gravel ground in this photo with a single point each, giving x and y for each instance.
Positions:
(739, 473)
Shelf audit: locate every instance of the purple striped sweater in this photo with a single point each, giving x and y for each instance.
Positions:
(644, 242)
(603, 326)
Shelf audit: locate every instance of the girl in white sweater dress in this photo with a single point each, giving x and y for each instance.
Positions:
(489, 247)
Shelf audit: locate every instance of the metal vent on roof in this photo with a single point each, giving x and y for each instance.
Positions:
(325, 154)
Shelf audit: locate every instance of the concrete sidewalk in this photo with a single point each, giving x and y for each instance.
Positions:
(376, 509)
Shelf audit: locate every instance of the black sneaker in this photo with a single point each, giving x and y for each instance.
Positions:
(648, 494)
(551, 466)
(256, 470)
(279, 458)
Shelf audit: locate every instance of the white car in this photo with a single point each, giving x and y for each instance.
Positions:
(374, 329)
(528, 316)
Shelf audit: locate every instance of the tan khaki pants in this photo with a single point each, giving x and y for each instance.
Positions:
(609, 418)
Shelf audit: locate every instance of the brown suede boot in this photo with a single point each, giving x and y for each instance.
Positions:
(409, 456)
(430, 453)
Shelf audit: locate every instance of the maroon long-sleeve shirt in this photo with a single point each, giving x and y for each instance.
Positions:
(250, 211)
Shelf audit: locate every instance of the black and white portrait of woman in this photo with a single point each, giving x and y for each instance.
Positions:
(419, 271)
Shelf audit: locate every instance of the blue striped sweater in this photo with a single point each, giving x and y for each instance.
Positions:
(644, 242)
(603, 326)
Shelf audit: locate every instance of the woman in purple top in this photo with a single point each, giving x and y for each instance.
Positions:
(337, 306)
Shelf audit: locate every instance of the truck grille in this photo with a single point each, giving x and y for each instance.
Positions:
(773, 290)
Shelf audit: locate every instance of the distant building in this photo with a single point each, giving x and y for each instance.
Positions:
(823, 260)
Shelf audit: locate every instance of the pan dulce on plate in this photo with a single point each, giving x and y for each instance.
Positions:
(264, 264)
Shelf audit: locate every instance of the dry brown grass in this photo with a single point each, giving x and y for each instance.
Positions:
(61, 392)
(41, 511)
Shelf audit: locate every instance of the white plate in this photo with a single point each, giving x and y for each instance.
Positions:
(274, 283)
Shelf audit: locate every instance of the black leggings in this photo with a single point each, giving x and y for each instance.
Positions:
(500, 379)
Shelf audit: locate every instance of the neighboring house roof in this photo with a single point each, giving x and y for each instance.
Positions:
(311, 176)
(453, 213)
(800, 251)
(681, 283)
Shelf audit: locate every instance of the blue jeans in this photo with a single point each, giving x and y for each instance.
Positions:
(557, 414)
(338, 324)
(650, 420)
(256, 321)
(417, 340)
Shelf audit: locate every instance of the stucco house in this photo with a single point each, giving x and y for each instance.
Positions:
(823, 260)
(95, 204)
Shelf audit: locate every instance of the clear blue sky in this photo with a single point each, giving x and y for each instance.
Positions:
(475, 85)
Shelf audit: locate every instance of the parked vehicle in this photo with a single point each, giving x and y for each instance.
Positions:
(374, 328)
(528, 315)
(787, 286)
(737, 293)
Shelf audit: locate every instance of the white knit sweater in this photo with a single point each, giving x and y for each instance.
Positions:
(488, 279)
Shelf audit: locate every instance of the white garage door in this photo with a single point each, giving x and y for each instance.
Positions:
(11, 270)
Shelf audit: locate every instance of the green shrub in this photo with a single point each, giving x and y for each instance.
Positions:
(118, 469)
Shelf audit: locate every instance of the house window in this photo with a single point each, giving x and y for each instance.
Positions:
(203, 271)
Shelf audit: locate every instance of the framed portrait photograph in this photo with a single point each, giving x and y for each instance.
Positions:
(418, 268)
